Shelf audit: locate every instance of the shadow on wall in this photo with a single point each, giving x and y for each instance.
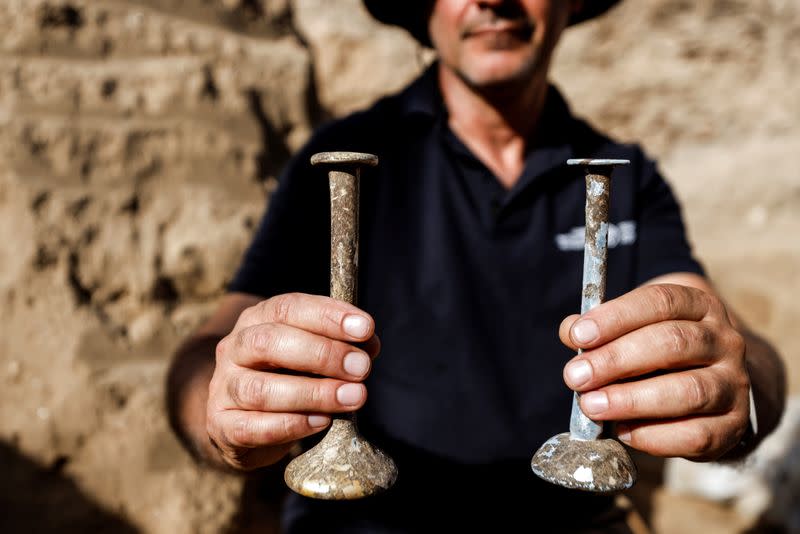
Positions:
(38, 499)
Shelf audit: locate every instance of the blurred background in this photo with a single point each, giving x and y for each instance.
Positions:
(139, 144)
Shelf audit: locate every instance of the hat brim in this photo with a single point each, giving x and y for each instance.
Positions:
(592, 9)
(407, 14)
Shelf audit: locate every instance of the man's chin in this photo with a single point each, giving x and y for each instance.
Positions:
(493, 77)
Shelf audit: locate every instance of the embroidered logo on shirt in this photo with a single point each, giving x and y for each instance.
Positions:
(619, 234)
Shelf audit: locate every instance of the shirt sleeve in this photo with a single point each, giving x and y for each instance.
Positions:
(663, 245)
(290, 250)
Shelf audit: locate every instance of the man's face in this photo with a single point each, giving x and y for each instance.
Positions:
(491, 43)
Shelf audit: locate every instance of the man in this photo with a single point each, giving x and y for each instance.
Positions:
(471, 256)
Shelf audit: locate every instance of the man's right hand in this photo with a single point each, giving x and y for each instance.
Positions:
(256, 410)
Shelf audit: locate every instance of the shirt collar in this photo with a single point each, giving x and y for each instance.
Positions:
(423, 98)
(555, 138)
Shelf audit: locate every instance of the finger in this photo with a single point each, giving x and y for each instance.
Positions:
(270, 392)
(246, 429)
(699, 438)
(668, 396)
(249, 459)
(641, 307)
(276, 345)
(665, 345)
(564, 330)
(321, 315)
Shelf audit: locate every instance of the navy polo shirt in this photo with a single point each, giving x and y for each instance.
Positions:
(468, 282)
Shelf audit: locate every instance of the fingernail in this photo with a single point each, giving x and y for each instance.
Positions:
(356, 364)
(594, 403)
(624, 433)
(356, 325)
(578, 373)
(585, 331)
(318, 421)
(350, 394)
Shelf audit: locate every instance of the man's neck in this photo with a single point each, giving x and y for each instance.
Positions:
(494, 124)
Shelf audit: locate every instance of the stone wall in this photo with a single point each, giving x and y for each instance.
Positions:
(139, 141)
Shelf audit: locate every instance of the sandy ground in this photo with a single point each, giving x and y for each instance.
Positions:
(139, 144)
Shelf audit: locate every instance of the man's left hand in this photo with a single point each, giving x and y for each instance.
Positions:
(665, 361)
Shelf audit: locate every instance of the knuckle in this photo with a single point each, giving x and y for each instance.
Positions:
(289, 428)
(700, 441)
(281, 307)
(743, 383)
(678, 338)
(737, 344)
(732, 391)
(221, 350)
(738, 392)
(742, 422)
(698, 393)
(241, 432)
(250, 314)
(235, 390)
(606, 360)
(243, 338)
(317, 396)
(249, 391)
(325, 354)
(702, 300)
(331, 316)
(664, 300)
(714, 305)
(233, 440)
(693, 340)
(701, 337)
(259, 340)
(212, 424)
(286, 429)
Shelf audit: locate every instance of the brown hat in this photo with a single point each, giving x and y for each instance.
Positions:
(408, 14)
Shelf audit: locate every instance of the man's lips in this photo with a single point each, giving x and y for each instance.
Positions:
(521, 28)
